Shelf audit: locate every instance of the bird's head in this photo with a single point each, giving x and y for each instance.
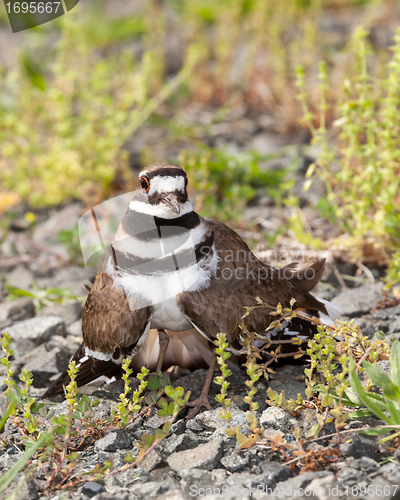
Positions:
(162, 186)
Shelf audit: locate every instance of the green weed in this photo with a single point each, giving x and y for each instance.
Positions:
(62, 139)
(41, 298)
(359, 161)
(385, 406)
(56, 442)
(223, 183)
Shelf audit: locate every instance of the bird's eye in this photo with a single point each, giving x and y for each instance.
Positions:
(186, 180)
(144, 183)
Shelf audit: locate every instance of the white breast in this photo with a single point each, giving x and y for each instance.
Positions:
(168, 315)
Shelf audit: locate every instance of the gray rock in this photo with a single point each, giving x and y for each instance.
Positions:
(266, 482)
(7, 460)
(91, 489)
(394, 326)
(44, 364)
(206, 456)
(276, 418)
(321, 486)
(63, 219)
(115, 440)
(181, 442)
(234, 462)
(391, 471)
(155, 422)
(365, 464)
(173, 494)
(28, 334)
(75, 329)
(70, 311)
(212, 421)
(151, 461)
(384, 365)
(21, 277)
(152, 489)
(71, 277)
(16, 310)
(275, 471)
(357, 301)
(107, 443)
(389, 313)
(292, 487)
(309, 418)
(360, 446)
(178, 427)
(193, 479)
(290, 379)
(366, 327)
(193, 476)
(350, 476)
(244, 482)
(126, 478)
(194, 426)
(122, 495)
(29, 490)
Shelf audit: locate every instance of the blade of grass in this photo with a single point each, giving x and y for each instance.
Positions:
(16, 468)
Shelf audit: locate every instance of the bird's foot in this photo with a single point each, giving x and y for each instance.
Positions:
(197, 404)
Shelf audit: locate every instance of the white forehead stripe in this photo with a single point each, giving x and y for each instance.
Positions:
(166, 184)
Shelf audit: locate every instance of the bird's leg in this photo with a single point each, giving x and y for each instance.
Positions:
(203, 399)
(163, 341)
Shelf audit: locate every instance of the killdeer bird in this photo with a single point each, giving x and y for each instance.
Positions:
(170, 270)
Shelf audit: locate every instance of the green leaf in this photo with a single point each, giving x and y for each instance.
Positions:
(313, 431)
(163, 412)
(164, 380)
(368, 402)
(251, 419)
(9, 412)
(394, 411)
(380, 379)
(395, 363)
(167, 427)
(388, 438)
(356, 415)
(377, 431)
(352, 396)
(171, 408)
(35, 407)
(153, 383)
(229, 432)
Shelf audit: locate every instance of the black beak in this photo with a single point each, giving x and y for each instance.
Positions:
(171, 201)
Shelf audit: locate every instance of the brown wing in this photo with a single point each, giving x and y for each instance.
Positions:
(108, 322)
(240, 278)
(110, 327)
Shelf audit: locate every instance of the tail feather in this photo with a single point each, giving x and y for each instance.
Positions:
(306, 278)
(89, 369)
